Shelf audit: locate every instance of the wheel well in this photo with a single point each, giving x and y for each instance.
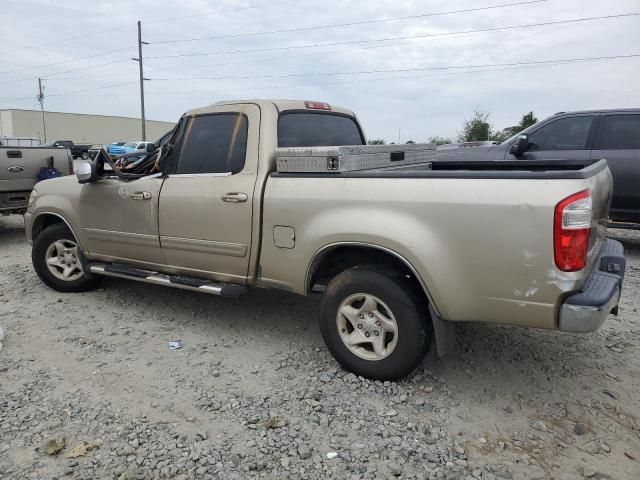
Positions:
(42, 222)
(341, 258)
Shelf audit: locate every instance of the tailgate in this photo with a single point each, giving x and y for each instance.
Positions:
(19, 166)
(601, 186)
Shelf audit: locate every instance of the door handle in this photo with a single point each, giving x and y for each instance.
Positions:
(140, 196)
(235, 197)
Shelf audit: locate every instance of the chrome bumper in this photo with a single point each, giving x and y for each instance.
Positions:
(586, 310)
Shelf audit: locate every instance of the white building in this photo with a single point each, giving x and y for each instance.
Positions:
(78, 127)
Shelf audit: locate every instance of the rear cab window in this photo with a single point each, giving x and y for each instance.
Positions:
(316, 129)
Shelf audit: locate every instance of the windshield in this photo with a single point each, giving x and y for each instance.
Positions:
(513, 137)
(305, 129)
(130, 145)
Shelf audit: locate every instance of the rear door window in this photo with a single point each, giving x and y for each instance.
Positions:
(619, 132)
(569, 133)
(304, 129)
(214, 143)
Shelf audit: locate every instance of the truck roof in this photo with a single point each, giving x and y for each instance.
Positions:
(280, 104)
(601, 110)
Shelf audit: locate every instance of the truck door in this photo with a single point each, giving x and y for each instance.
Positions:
(561, 138)
(618, 141)
(206, 208)
(120, 219)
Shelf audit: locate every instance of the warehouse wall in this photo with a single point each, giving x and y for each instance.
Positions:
(80, 128)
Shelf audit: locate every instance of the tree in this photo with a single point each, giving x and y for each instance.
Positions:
(376, 141)
(477, 128)
(409, 141)
(440, 140)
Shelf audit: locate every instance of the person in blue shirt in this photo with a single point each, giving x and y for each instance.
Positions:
(48, 171)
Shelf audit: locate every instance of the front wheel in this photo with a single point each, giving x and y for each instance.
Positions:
(373, 324)
(57, 260)
(84, 155)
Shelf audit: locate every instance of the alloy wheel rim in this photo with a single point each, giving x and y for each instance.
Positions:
(367, 326)
(62, 260)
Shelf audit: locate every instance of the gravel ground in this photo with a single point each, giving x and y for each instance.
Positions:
(89, 389)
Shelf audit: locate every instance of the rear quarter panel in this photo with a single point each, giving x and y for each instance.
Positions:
(483, 247)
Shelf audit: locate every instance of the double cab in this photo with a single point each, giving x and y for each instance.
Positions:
(399, 256)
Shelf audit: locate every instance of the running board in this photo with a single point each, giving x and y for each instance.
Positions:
(176, 281)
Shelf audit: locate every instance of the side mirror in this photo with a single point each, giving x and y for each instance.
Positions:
(520, 146)
(86, 172)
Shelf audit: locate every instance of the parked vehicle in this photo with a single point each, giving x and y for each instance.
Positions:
(19, 168)
(20, 141)
(400, 254)
(610, 134)
(151, 147)
(116, 149)
(77, 150)
(131, 147)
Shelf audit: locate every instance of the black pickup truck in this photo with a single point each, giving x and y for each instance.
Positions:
(610, 134)
(78, 150)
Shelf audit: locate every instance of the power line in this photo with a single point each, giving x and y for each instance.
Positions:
(480, 68)
(67, 71)
(71, 92)
(350, 24)
(66, 61)
(512, 66)
(405, 37)
(413, 69)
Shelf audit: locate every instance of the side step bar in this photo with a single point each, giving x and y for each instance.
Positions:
(176, 281)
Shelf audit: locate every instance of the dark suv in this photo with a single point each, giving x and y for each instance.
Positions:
(610, 134)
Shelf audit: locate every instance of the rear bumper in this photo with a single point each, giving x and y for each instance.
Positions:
(586, 310)
(14, 202)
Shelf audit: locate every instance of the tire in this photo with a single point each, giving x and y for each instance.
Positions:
(58, 241)
(379, 296)
(84, 155)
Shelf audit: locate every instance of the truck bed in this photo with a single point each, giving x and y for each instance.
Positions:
(480, 234)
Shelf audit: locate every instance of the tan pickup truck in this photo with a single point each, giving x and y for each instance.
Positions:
(19, 168)
(399, 255)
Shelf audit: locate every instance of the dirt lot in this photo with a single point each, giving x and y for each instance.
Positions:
(253, 392)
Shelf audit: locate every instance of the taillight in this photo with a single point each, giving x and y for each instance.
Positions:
(317, 105)
(571, 231)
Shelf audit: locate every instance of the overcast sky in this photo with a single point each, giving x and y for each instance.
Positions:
(434, 82)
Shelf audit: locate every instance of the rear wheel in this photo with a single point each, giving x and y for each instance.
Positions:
(84, 155)
(57, 260)
(373, 324)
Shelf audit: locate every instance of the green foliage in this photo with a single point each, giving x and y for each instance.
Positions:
(376, 141)
(440, 140)
(477, 128)
(409, 141)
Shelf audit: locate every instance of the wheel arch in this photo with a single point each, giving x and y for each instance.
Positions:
(46, 219)
(334, 258)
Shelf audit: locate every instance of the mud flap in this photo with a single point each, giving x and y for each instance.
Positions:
(444, 332)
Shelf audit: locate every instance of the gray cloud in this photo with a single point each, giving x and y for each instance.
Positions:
(421, 104)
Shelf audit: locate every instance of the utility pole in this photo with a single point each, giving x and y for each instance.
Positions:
(142, 79)
(41, 100)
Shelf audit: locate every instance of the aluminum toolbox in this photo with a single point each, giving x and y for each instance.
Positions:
(353, 157)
